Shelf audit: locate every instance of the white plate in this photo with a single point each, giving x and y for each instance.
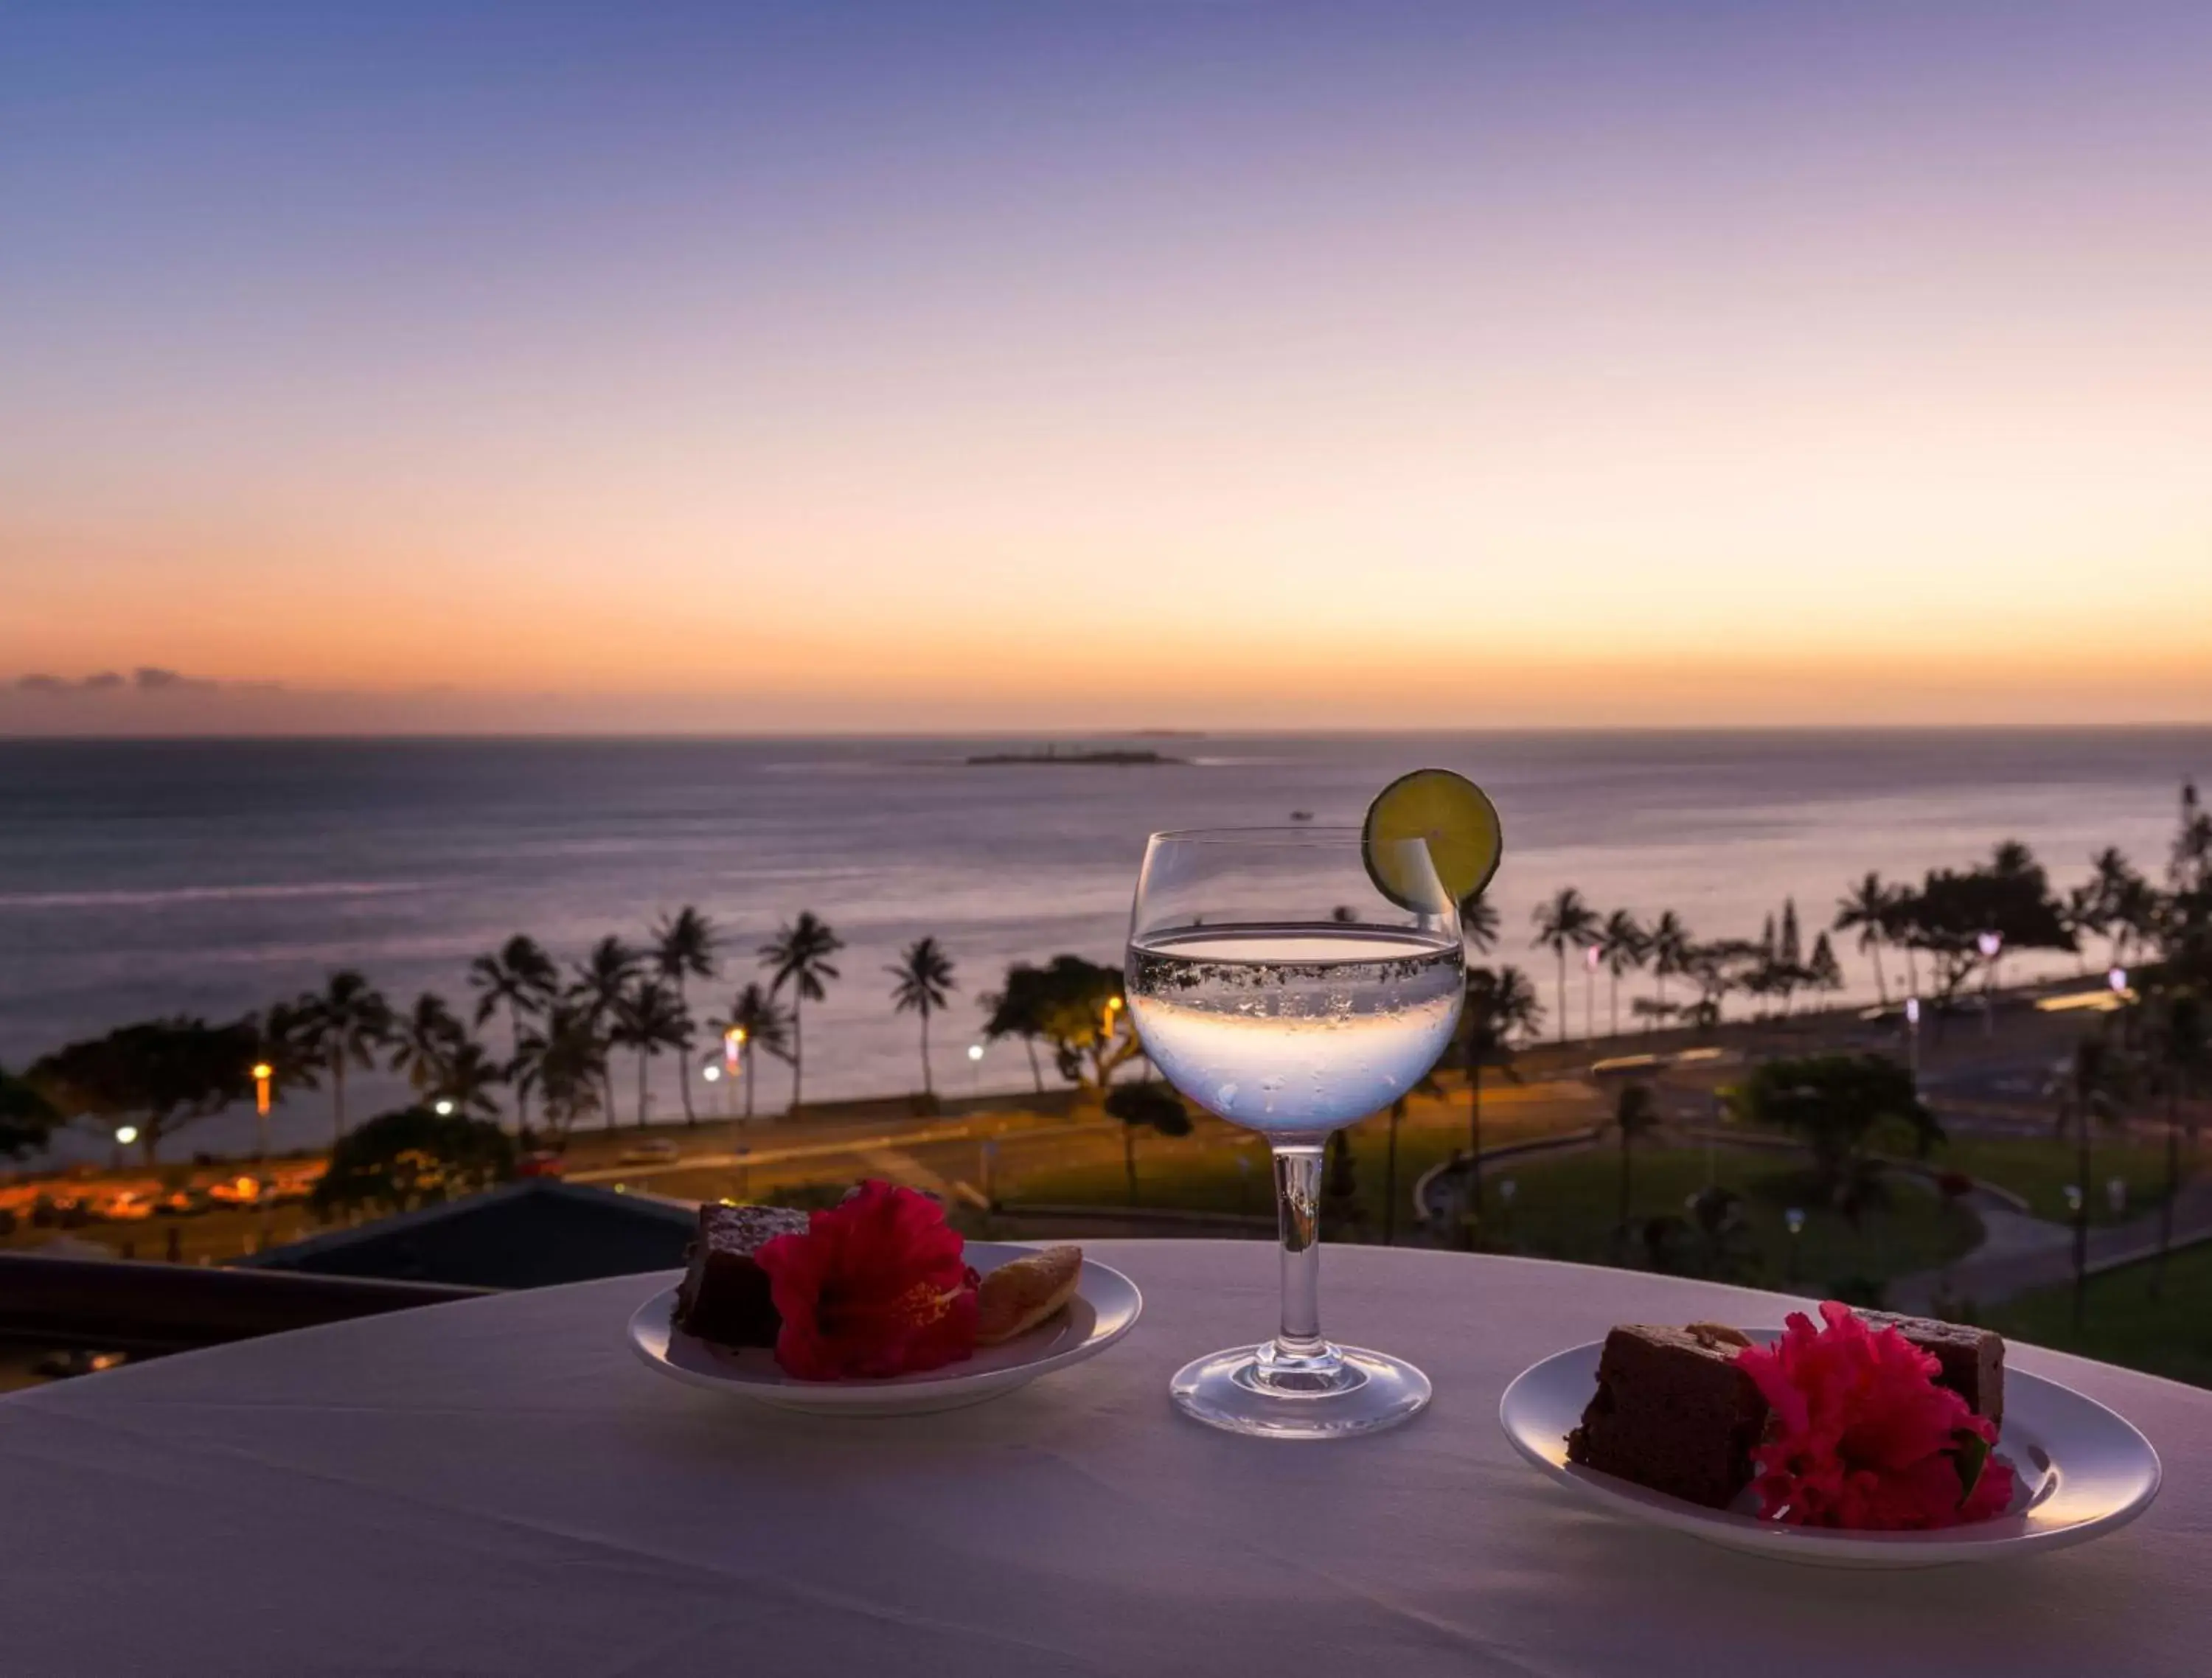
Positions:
(2082, 1472)
(1106, 1306)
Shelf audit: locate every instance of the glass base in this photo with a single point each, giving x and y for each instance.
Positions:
(1257, 1389)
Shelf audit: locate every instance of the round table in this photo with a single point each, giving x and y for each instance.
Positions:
(498, 1486)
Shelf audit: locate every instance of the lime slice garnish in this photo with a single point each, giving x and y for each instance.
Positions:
(1453, 815)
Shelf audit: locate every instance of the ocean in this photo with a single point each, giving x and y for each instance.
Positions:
(139, 877)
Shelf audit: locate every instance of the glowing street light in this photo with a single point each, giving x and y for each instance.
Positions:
(711, 1073)
(125, 1135)
(443, 1107)
(975, 1065)
(263, 1074)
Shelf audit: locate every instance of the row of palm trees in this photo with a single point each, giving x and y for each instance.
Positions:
(562, 1029)
(1776, 964)
(2116, 901)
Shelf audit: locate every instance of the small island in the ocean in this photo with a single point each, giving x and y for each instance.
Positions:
(1053, 755)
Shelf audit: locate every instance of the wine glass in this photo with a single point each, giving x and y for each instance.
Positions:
(1277, 984)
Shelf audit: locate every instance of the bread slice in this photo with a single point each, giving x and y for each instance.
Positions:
(1015, 1297)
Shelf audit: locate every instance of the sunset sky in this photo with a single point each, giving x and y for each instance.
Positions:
(1104, 364)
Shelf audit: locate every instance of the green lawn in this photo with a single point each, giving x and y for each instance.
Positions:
(2123, 1323)
(2040, 1169)
(1199, 1172)
(1566, 1207)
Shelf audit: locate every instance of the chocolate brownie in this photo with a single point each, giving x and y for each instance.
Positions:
(1972, 1359)
(724, 1296)
(1673, 1412)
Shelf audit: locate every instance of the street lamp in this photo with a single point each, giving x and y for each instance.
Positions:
(443, 1107)
(1591, 956)
(975, 1066)
(737, 1058)
(126, 1135)
(712, 1072)
(1989, 943)
(263, 1074)
(1912, 1040)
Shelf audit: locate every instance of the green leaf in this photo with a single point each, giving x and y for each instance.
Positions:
(1971, 1456)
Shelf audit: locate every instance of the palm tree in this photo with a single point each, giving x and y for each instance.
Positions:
(2117, 884)
(922, 979)
(1017, 1011)
(1790, 954)
(1562, 924)
(648, 1018)
(1425, 1084)
(345, 1023)
(798, 955)
(1501, 1006)
(287, 1048)
(563, 1056)
(423, 1039)
(600, 981)
(520, 977)
(1867, 909)
(1822, 971)
(2083, 916)
(2190, 868)
(1478, 924)
(467, 1079)
(762, 1023)
(1623, 946)
(684, 948)
(1153, 1106)
(2094, 1092)
(2138, 913)
(1901, 929)
(2183, 1050)
(1635, 1111)
(1669, 940)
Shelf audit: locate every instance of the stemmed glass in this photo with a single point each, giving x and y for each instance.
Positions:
(1277, 984)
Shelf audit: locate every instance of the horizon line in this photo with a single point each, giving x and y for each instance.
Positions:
(709, 735)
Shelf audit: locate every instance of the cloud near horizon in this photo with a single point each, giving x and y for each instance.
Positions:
(146, 679)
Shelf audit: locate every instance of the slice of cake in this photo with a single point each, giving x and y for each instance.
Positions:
(724, 1296)
(1972, 1359)
(1673, 1412)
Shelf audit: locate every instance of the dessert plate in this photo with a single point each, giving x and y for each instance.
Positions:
(1106, 1306)
(2082, 1472)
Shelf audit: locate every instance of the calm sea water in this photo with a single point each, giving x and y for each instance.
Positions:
(214, 877)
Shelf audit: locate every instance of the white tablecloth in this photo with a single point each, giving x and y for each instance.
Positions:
(498, 1487)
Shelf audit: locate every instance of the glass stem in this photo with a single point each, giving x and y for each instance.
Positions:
(1298, 1210)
